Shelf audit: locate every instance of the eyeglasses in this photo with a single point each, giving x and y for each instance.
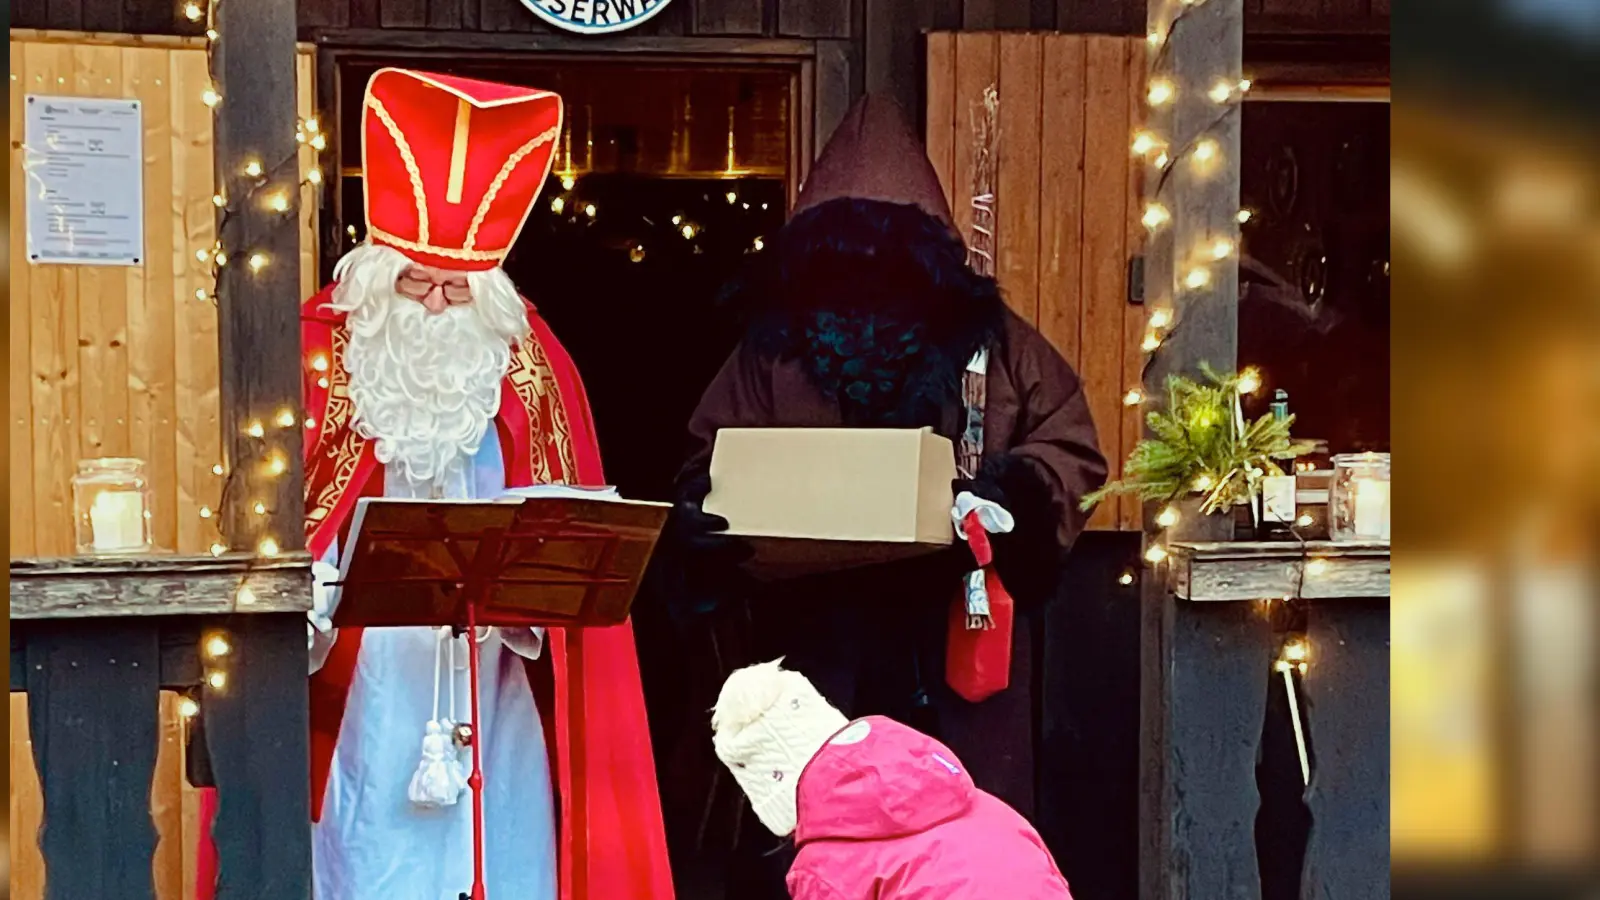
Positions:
(417, 285)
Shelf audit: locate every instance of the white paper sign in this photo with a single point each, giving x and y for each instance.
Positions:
(83, 164)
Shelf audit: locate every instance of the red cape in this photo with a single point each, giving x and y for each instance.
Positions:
(613, 841)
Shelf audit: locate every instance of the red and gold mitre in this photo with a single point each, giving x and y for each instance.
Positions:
(452, 165)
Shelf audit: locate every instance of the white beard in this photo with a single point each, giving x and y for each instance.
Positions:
(424, 386)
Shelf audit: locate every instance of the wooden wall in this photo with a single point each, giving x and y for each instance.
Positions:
(1067, 196)
(113, 361)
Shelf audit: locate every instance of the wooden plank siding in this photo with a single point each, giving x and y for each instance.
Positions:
(123, 361)
(1067, 199)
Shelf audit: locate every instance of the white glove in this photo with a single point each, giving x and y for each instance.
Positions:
(994, 517)
(324, 599)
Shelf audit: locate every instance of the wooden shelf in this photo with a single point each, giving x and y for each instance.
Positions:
(1317, 570)
(158, 585)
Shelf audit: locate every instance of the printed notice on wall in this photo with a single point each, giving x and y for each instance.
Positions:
(83, 165)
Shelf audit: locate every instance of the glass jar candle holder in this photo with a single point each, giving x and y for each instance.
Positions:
(1358, 500)
(111, 505)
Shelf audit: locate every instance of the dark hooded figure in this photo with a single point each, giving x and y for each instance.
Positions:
(863, 312)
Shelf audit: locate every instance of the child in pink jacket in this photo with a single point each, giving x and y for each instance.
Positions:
(878, 810)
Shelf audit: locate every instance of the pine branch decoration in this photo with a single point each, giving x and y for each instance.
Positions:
(1200, 444)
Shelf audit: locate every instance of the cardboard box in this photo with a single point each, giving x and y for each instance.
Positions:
(823, 499)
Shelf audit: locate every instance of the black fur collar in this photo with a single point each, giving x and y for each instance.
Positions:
(877, 303)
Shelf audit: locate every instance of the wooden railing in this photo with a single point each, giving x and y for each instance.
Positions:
(94, 643)
(1211, 641)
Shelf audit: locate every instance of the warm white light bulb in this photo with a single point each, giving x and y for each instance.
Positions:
(210, 97)
(277, 465)
(193, 12)
(1125, 579)
(1296, 651)
(1220, 92)
(568, 182)
(558, 204)
(1160, 317)
(205, 512)
(1151, 343)
(688, 231)
(217, 469)
(286, 418)
(590, 210)
(759, 245)
(1156, 554)
(319, 363)
(1161, 92)
(1143, 143)
(218, 549)
(1245, 216)
(218, 680)
(319, 142)
(1155, 216)
(1133, 397)
(258, 261)
(1304, 521)
(1167, 517)
(1206, 150)
(259, 509)
(732, 197)
(1197, 279)
(314, 176)
(1249, 381)
(253, 168)
(217, 645)
(279, 202)
(1316, 567)
(255, 430)
(219, 201)
(268, 547)
(187, 708)
(1222, 249)
(1204, 483)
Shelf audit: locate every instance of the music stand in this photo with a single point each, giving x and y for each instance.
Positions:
(563, 560)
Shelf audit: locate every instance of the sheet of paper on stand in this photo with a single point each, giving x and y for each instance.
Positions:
(569, 558)
(569, 491)
(823, 499)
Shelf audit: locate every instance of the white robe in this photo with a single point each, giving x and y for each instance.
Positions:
(373, 843)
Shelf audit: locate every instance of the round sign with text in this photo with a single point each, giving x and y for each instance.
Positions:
(595, 16)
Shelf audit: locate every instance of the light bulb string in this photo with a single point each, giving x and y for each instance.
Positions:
(230, 207)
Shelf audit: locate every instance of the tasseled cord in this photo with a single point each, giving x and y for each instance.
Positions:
(441, 776)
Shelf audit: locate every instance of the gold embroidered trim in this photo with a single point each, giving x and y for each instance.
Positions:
(385, 237)
(410, 160)
(500, 179)
(534, 383)
(458, 152)
(346, 456)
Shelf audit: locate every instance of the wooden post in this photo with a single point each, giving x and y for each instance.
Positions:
(259, 307)
(1204, 668)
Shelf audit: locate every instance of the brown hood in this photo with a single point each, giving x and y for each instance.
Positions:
(875, 155)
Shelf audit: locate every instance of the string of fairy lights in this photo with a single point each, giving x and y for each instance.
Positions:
(265, 190)
(1203, 153)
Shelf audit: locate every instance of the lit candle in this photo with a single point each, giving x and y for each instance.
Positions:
(117, 520)
(1371, 508)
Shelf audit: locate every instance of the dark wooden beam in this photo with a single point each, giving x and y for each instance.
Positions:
(384, 42)
(158, 586)
(1204, 667)
(259, 311)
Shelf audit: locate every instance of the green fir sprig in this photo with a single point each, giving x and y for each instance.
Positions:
(1200, 444)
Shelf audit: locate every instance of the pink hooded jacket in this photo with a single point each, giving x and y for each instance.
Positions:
(888, 813)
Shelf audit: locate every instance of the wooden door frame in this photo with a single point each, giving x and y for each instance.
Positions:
(822, 79)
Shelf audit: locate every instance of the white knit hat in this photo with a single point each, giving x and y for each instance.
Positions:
(767, 724)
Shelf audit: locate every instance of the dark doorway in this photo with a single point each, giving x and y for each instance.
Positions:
(667, 179)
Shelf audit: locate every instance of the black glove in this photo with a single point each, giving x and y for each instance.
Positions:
(697, 563)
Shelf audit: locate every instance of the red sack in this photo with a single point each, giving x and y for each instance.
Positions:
(977, 660)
